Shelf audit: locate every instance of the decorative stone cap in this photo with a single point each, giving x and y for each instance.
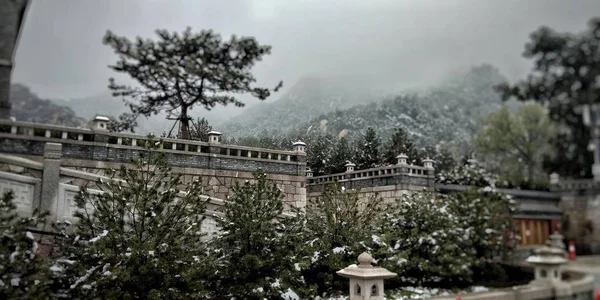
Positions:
(546, 255)
(53, 150)
(101, 118)
(299, 143)
(350, 164)
(402, 155)
(214, 133)
(365, 270)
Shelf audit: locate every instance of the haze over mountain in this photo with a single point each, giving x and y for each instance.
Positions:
(449, 111)
(409, 43)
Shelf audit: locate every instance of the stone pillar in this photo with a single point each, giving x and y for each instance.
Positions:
(428, 164)
(50, 179)
(366, 281)
(300, 149)
(214, 148)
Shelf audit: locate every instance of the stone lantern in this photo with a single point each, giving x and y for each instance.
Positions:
(99, 123)
(214, 137)
(428, 163)
(299, 146)
(547, 264)
(350, 167)
(366, 281)
(402, 159)
(309, 172)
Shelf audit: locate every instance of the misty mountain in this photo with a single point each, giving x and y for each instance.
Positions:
(447, 112)
(309, 98)
(28, 107)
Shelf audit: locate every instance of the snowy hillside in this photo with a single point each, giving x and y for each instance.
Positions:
(449, 112)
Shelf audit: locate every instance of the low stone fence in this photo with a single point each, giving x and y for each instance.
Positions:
(402, 176)
(576, 286)
(98, 144)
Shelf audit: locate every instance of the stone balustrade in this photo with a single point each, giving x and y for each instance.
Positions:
(399, 174)
(99, 144)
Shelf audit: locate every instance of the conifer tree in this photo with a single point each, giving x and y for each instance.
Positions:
(178, 72)
(423, 240)
(340, 155)
(139, 239)
(400, 142)
(338, 225)
(367, 150)
(21, 269)
(319, 153)
(256, 249)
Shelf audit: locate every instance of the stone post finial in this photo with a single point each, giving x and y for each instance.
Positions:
(428, 163)
(299, 146)
(53, 150)
(350, 167)
(309, 172)
(366, 280)
(402, 159)
(214, 137)
(554, 178)
(99, 123)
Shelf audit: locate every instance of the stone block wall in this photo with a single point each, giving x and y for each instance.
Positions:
(216, 183)
(28, 139)
(388, 183)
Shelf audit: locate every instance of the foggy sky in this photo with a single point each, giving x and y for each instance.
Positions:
(401, 42)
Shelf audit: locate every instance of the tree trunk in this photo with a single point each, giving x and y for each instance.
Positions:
(185, 123)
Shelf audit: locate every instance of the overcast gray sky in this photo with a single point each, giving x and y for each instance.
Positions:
(407, 42)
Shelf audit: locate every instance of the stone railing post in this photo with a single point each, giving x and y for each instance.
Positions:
(300, 149)
(50, 179)
(366, 281)
(214, 148)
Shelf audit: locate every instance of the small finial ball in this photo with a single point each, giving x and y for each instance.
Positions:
(365, 259)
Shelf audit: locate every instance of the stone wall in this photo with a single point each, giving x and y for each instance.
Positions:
(48, 186)
(216, 183)
(388, 183)
(83, 144)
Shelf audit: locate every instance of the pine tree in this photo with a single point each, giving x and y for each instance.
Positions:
(400, 142)
(256, 249)
(367, 150)
(490, 215)
(180, 71)
(338, 227)
(21, 270)
(140, 239)
(423, 241)
(319, 153)
(340, 155)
